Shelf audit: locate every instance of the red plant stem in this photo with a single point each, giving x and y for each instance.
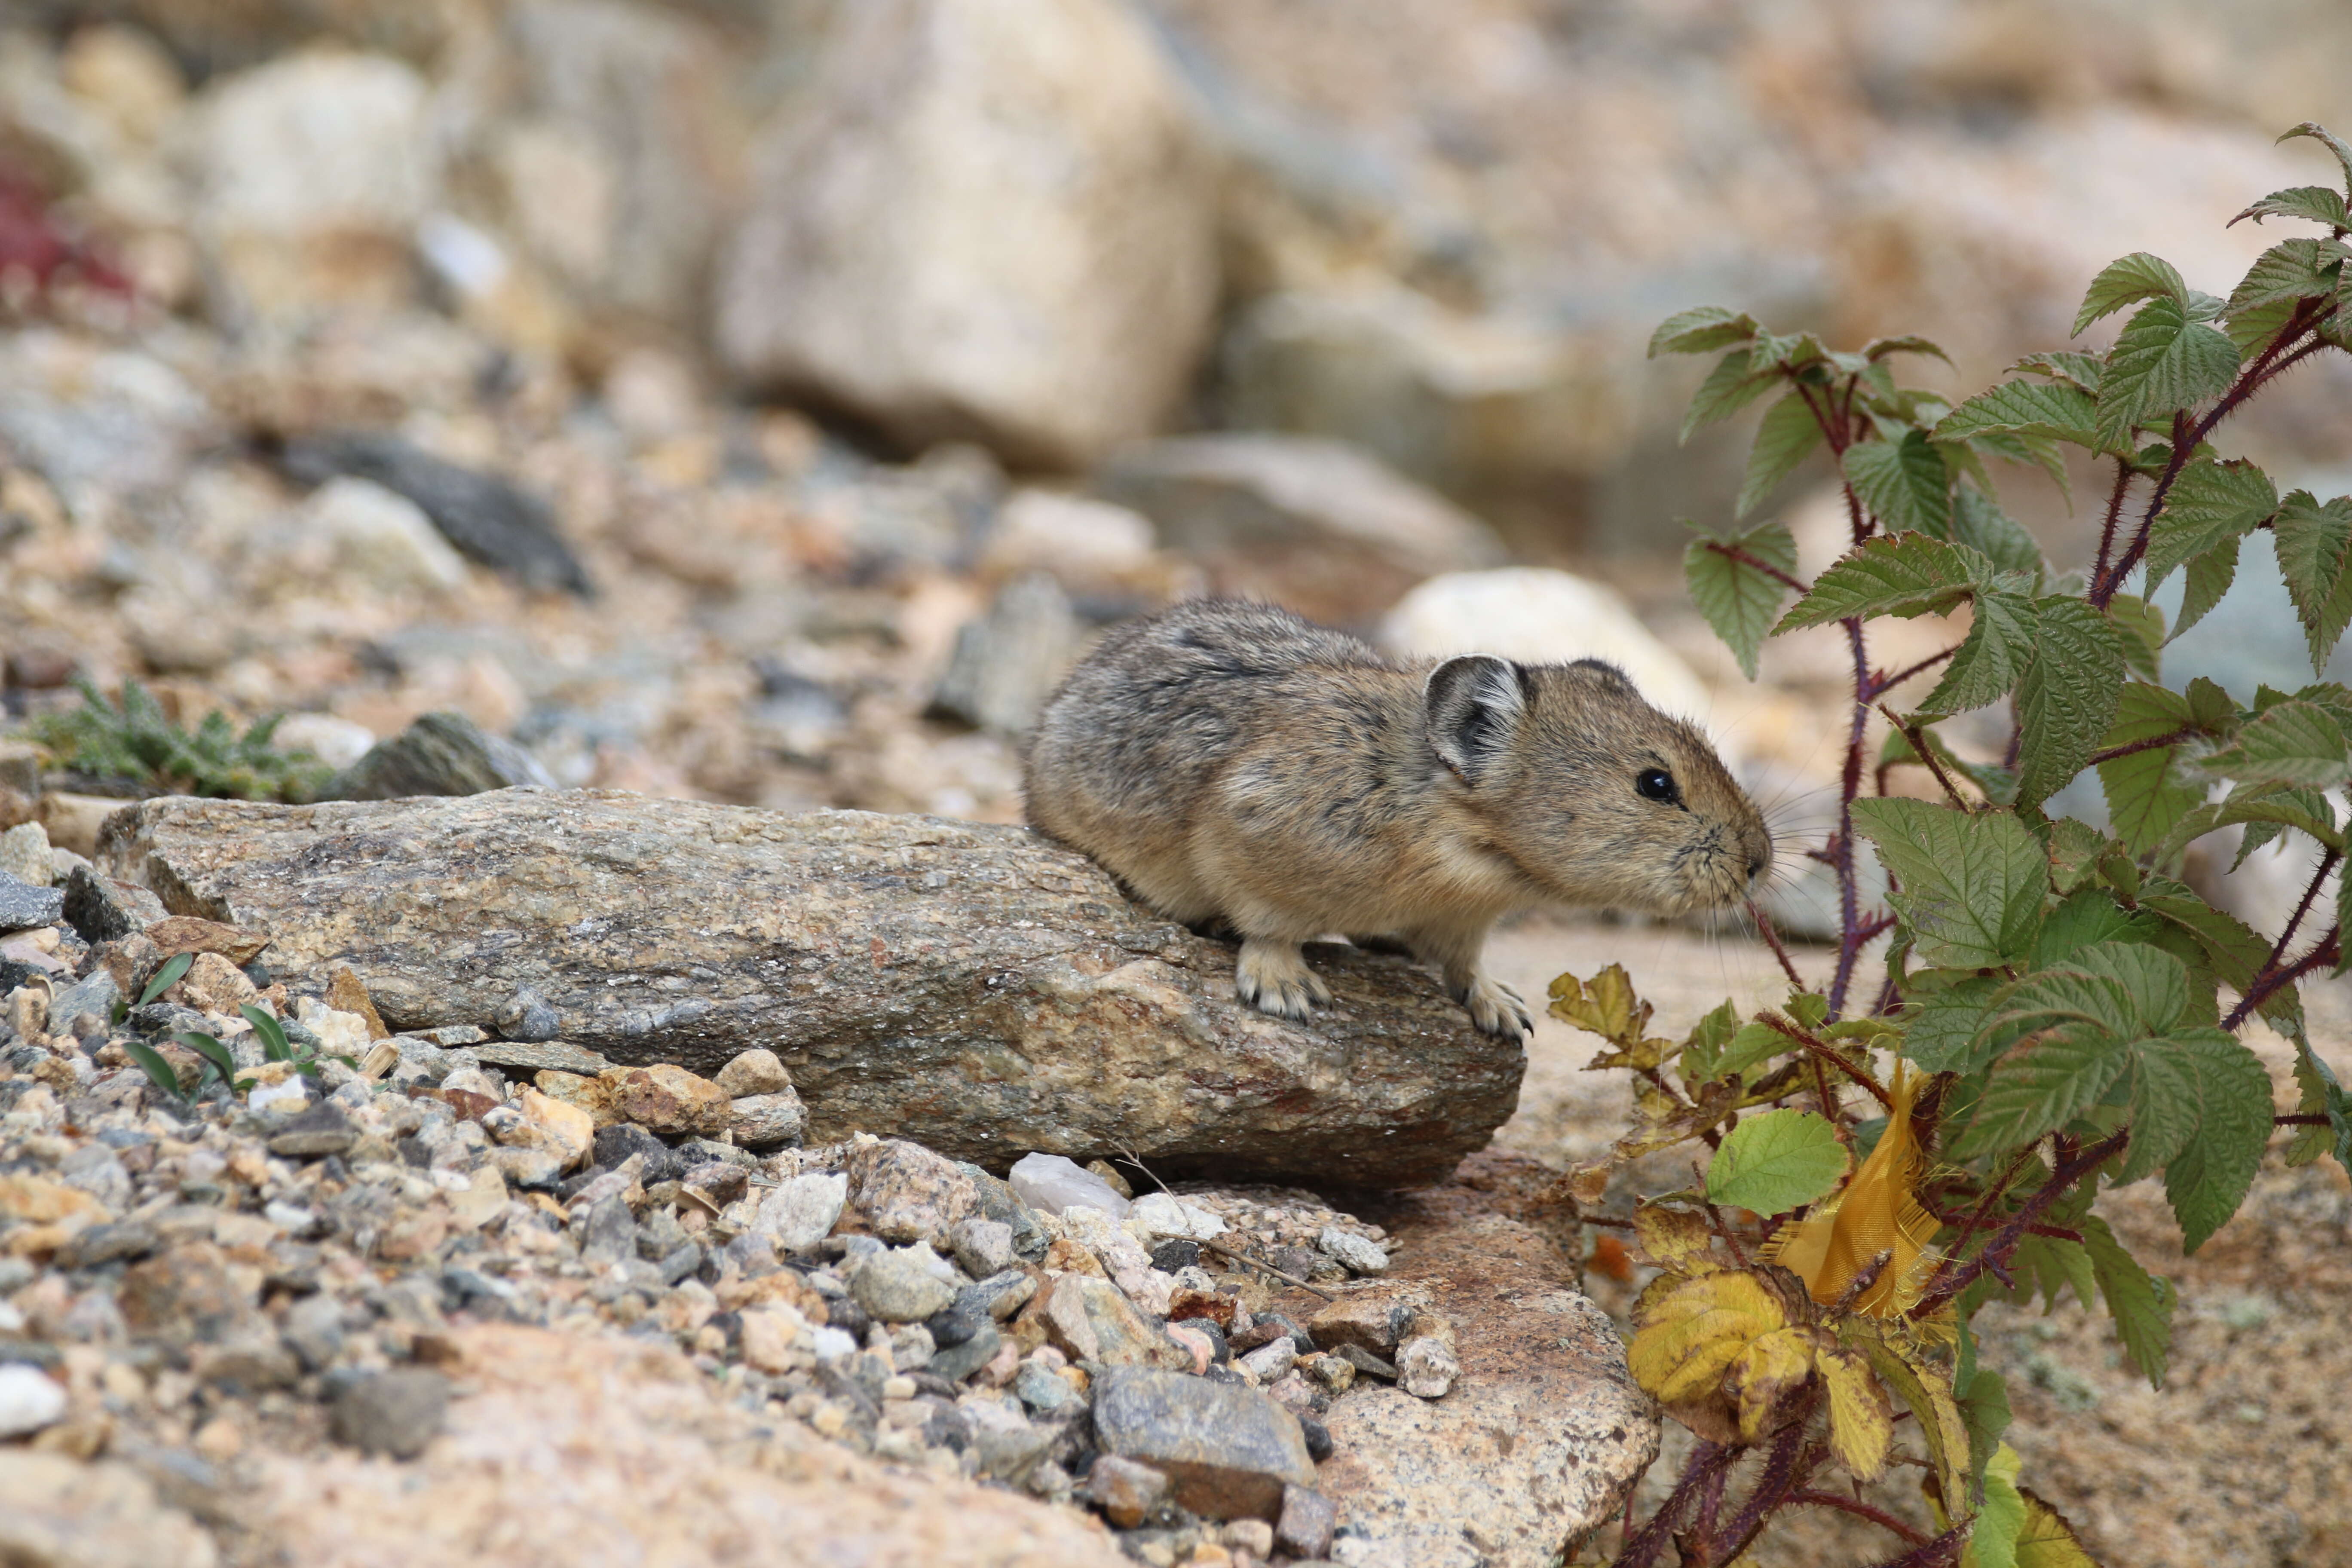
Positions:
(2303, 1119)
(1914, 734)
(1858, 1509)
(1748, 558)
(1938, 1553)
(1773, 940)
(2149, 744)
(1821, 1051)
(2251, 1000)
(2069, 1172)
(1842, 858)
(1886, 683)
(2265, 987)
(1787, 1468)
(2115, 511)
(1641, 1548)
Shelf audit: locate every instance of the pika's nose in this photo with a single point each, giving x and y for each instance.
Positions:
(1756, 863)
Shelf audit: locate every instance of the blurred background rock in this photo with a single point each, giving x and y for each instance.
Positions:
(763, 400)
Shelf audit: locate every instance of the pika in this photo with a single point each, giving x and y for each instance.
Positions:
(1238, 766)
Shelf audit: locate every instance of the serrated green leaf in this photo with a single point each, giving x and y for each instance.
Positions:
(2209, 504)
(2209, 577)
(2320, 1094)
(2082, 918)
(1948, 1033)
(1984, 1409)
(2236, 950)
(2163, 361)
(2062, 413)
(2000, 1519)
(2067, 700)
(2053, 998)
(1906, 574)
(1729, 387)
(2145, 796)
(1750, 1044)
(1971, 883)
(2140, 276)
(1739, 600)
(2312, 537)
(1704, 1047)
(1701, 328)
(1793, 351)
(2298, 269)
(1775, 1161)
(2154, 983)
(2080, 370)
(2251, 330)
(1786, 438)
(1904, 484)
(2210, 1175)
(2328, 139)
(1978, 522)
(2293, 743)
(2140, 1302)
(1998, 647)
(2318, 204)
(2042, 1087)
(2142, 625)
(1879, 348)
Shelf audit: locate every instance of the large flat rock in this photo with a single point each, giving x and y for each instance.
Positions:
(977, 989)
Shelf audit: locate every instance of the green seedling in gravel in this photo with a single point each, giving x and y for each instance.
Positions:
(174, 970)
(136, 741)
(159, 1071)
(2060, 1009)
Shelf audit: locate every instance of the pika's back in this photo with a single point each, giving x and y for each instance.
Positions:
(1163, 702)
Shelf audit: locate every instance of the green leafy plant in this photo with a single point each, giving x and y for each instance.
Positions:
(2059, 1010)
(135, 739)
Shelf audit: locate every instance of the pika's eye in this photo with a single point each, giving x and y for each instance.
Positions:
(1654, 783)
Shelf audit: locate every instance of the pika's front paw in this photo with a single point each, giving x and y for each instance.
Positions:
(1496, 1009)
(1275, 979)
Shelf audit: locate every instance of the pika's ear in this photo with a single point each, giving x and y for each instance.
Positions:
(1600, 669)
(1472, 704)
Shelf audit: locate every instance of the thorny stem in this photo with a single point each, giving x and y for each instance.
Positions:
(2005, 1240)
(2249, 1002)
(1824, 1052)
(1850, 941)
(1886, 683)
(1860, 1510)
(1787, 1468)
(1749, 558)
(2266, 987)
(2131, 747)
(1642, 1546)
(1937, 1553)
(2115, 511)
(1915, 735)
(1772, 940)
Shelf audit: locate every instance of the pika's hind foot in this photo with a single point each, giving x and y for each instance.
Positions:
(1273, 977)
(1495, 1009)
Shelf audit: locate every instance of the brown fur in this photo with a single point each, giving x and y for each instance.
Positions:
(1235, 764)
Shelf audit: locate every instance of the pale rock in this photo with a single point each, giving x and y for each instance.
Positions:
(753, 1072)
(25, 853)
(337, 742)
(313, 171)
(29, 1400)
(1053, 1183)
(1084, 543)
(1536, 615)
(1359, 1254)
(1164, 1213)
(993, 219)
(1271, 1359)
(981, 1247)
(1322, 527)
(58, 1512)
(803, 1210)
(339, 1034)
(776, 1338)
(902, 1192)
(382, 538)
(1426, 1367)
(1007, 661)
(279, 1086)
(565, 1130)
(766, 1121)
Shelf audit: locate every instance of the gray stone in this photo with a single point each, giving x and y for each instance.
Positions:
(1228, 1450)
(488, 518)
(99, 1172)
(440, 754)
(1008, 660)
(1304, 1529)
(981, 1247)
(537, 1055)
(313, 1330)
(956, 1363)
(1320, 526)
(93, 996)
(974, 988)
(872, 268)
(108, 1244)
(1042, 1390)
(104, 909)
(395, 1413)
(1126, 1491)
(1360, 1253)
(801, 1210)
(322, 1129)
(23, 907)
(611, 1234)
(1000, 1295)
(768, 1121)
(897, 1288)
(998, 1202)
(25, 855)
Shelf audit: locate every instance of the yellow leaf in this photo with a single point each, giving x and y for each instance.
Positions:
(1670, 1237)
(1861, 1421)
(1608, 1006)
(1876, 1215)
(1689, 1333)
(1770, 1369)
(1927, 1388)
(2048, 1541)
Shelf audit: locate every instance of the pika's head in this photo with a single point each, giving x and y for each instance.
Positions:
(1594, 795)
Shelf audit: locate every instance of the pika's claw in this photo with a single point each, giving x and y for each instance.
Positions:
(1273, 977)
(1496, 1009)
